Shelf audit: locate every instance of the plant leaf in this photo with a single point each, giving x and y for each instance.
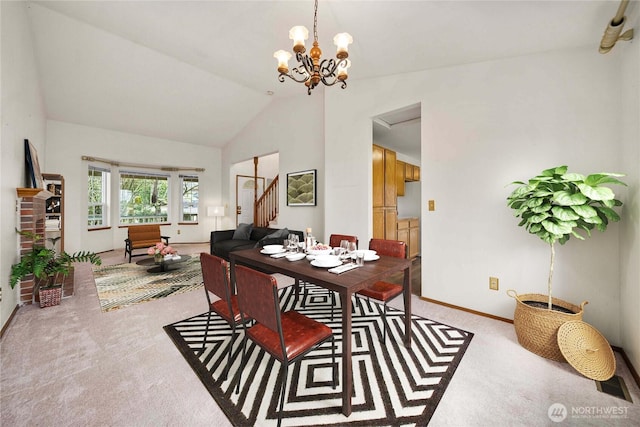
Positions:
(565, 198)
(564, 214)
(596, 193)
(585, 211)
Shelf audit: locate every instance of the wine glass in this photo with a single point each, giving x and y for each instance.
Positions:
(351, 250)
(344, 246)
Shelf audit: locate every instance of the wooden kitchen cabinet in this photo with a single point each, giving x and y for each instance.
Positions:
(384, 193)
(400, 171)
(408, 231)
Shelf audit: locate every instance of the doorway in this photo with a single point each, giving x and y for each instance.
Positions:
(245, 197)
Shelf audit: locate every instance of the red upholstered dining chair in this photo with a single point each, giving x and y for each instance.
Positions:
(215, 275)
(385, 291)
(287, 336)
(334, 242)
(335, 239)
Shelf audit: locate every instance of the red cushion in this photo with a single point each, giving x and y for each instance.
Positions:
(222, 308)
(300, 334)
(383, 291)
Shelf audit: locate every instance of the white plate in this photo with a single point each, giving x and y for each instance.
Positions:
(368, 253)
(272, 249)
(272, 252)
(295, 257)
(371, 257)
(335, 263)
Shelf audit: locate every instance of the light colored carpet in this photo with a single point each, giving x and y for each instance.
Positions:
(73, 365)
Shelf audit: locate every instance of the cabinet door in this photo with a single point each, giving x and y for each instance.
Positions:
(416, 173)
(390, 223)
(400, 178)
(378, 223)
(378, 176)
(414, 240)
(408, 172)
(390, 195)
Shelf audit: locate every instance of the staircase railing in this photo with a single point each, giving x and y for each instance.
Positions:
(266, 209)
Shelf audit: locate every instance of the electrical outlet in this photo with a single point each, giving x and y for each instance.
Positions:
(178, 231)
(493, 283)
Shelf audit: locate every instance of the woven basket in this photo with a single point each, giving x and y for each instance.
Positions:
(537, 328)
(50, 296)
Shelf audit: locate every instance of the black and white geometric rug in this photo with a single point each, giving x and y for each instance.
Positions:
(393, 385)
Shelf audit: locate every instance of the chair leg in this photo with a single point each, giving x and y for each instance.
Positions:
(206, 332)
(384, 323)
(283, 390)
(334, 370)
(230, 350)
(242, 362)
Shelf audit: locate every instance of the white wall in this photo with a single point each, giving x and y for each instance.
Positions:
(484, 126)
(22, 118)
(293, 127)
(67, 143)
(630, 229)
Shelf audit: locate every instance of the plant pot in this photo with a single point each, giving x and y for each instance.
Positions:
(50, 296)
(537, 328)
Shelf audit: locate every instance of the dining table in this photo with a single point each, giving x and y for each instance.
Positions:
(344, 284)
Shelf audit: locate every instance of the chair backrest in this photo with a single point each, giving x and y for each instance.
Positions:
(258, 296)
(215, 275)
(335, 239)
(144, 232)
(395, 248)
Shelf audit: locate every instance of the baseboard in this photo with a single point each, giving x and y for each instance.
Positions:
(467, 310)
(620, 350)
(8, 322)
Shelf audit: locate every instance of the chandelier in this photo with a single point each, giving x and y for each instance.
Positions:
(311, 71)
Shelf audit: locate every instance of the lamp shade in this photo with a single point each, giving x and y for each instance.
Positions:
(215, 211)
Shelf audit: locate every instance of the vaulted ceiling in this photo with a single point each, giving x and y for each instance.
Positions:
(200, 71)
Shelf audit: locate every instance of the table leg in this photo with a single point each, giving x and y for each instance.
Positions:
(407, 306)
(347, 373)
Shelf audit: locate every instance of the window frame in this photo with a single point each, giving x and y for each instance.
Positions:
(161, 218)
(105, 195)
(190, 203)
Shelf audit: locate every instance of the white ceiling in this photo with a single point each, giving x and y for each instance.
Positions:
(199, 71)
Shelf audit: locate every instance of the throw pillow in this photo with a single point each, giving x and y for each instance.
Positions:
(243, 232)
(274, 238)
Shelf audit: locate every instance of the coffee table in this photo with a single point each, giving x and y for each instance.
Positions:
(164, 265)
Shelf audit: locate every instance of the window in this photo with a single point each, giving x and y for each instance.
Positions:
(189, 198)
(98, 205)
(143, 198)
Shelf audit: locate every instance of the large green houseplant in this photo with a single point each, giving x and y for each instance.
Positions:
(554, 206)
(48, 267)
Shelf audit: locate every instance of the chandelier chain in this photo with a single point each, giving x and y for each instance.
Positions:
(315, 23)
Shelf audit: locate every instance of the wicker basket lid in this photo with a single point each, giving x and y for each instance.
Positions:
(586, 350)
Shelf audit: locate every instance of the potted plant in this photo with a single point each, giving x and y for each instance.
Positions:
(48, 268)
(554, 206)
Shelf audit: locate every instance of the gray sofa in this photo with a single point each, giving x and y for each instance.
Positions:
(245, 237)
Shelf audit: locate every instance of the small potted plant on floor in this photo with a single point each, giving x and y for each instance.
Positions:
(554, 206)
(48, 268)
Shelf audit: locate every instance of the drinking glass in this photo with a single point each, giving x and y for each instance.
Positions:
(286, 244)
(351, 250)
(344, 246)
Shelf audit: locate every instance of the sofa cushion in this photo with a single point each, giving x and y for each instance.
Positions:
(243, 232)
(274, 238)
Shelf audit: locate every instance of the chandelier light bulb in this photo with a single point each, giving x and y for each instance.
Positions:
(342, 71)
(342, 41)
(298, 34)
(283, 58)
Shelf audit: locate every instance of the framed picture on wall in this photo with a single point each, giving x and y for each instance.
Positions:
(34, 176)
(301, 188)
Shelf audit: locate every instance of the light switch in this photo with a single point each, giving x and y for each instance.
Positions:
(432, 205)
